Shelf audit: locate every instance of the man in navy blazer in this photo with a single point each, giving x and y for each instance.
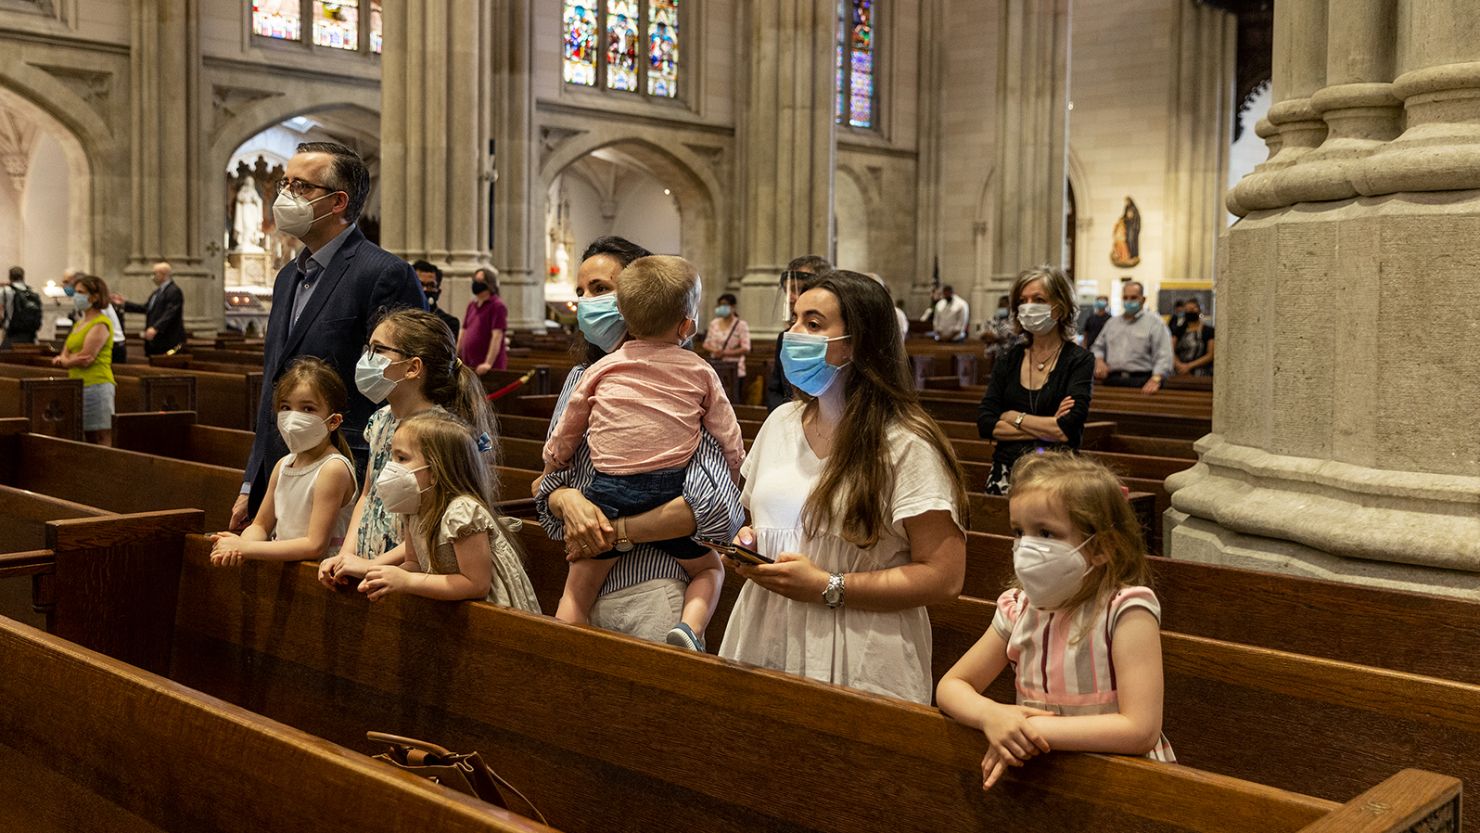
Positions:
(326, 300)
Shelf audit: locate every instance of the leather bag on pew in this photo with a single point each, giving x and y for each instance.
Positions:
(465, 773)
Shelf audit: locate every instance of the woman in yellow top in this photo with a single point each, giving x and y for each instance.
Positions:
(85, 359)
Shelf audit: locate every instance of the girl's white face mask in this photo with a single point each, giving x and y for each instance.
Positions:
(1050, 570)
(396, 486)
(301, 431)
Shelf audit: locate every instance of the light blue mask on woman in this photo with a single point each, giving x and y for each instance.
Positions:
(804, 360)
(600, 321)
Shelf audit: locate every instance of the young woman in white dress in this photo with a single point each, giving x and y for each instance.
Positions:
(857, 495)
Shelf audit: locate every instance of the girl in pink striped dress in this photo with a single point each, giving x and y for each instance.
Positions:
(1081, 629)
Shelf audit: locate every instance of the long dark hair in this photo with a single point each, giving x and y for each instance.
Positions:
(857, 481)
(623, 251)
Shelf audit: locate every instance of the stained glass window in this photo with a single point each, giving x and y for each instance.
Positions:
(277, 19)
(662, 48)
(855, 63)
(580, 42)
(629, 46)
(621, 45)
(336, 23)
(377, 40)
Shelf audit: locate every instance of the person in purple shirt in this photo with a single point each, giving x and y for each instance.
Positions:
(482, 344)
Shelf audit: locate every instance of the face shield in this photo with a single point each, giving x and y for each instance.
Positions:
(786, 294)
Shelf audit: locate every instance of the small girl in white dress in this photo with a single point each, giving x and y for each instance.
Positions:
(311, 492)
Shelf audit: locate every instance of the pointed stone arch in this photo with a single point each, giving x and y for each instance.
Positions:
(88, 144)
(689, 174)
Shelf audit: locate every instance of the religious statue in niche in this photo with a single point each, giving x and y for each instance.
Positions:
(1126, 250)
(248, 221)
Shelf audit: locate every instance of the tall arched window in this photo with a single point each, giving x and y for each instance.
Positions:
(626, 46)
(856, 63)
(332, 24)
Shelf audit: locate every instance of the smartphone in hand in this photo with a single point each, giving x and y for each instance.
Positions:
(736, 552)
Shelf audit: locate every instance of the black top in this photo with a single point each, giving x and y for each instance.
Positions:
(450, 320)
(1073, 375)
(1092, 327)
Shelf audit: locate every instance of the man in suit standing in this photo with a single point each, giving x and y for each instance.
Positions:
(326, 300)
(164, 313)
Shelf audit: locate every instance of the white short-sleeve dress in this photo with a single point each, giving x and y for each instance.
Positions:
(881, 652)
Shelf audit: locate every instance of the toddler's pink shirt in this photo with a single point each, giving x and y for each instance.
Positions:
(640, 409)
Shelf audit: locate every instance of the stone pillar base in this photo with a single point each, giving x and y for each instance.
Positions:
(1194, 539)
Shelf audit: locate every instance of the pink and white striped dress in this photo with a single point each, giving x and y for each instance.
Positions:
(1062, 659)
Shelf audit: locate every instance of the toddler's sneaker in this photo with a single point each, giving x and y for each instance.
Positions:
(683, 636)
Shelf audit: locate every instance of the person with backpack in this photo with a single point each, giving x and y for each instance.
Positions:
(22, 311)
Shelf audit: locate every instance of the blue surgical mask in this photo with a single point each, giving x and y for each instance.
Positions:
(70, 290)
(81, 302)
(1132, 307)
(601, 322)
(723, 310)
(804, 360)
(1100, 305)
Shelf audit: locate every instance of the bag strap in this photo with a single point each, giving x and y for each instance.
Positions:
(515, 790)
(410, 743)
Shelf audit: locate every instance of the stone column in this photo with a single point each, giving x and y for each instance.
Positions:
(1358, 105)
(518, 218)
(1197, 159)
(435, 126)
(928, 201)
(1343, 441)
(1032, 143)
(1299, 70)
(788, 164)
(166, 132)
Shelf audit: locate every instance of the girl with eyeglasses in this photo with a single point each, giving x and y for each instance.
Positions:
(411, 365)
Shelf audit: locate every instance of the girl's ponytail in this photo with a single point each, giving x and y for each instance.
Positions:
(447, 381)
(470, 402)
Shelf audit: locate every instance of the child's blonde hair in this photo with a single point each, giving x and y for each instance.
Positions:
(456, 466)
(1096, 504)
(657, 293)
(320, 378)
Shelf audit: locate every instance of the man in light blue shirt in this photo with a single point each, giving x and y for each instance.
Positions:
(1134, 349)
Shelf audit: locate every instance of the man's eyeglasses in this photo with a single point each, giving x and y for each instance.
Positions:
(297, 187)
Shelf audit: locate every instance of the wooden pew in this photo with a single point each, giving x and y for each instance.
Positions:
(177, 435)
(1207, 678)
(1284, 718)
(1364, 625)
(665, 739)
(270, 638)
(133, 393)
(117, 480)
(1143, 424)
(23, 517)
(90, 743)
(53, 406)
(988, 513)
